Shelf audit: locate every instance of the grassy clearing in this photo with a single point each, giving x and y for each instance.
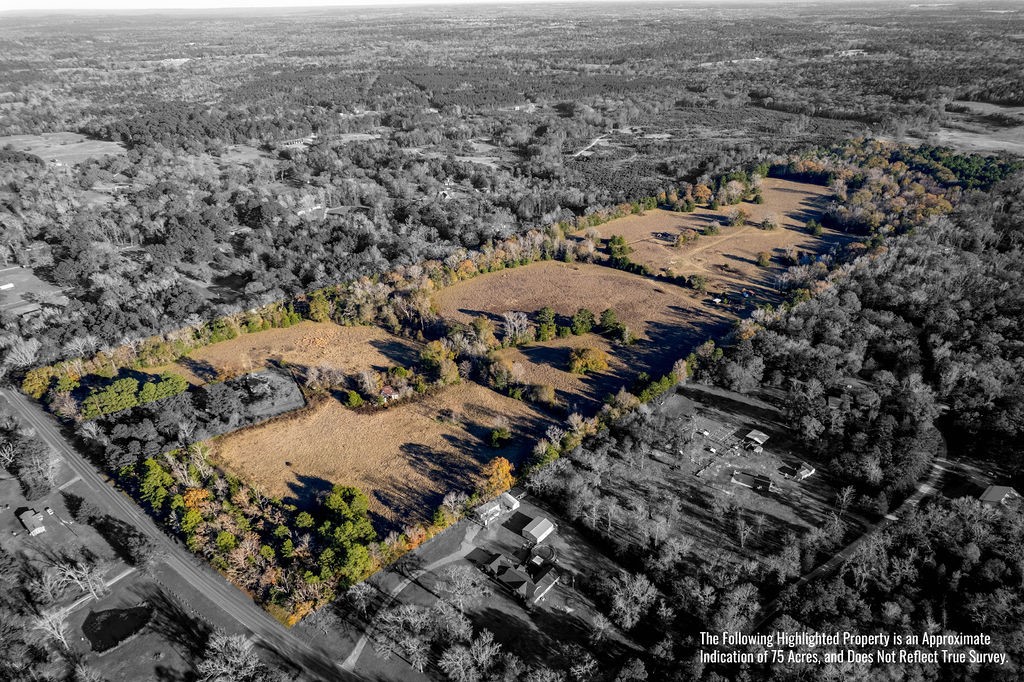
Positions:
(63, 148)
(547, 363)
(668, 321)
(26, 291)
(644, 305)
(405, 457)
(307, 344)
(729, 259)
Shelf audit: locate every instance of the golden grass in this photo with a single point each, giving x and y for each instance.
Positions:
(350, 349)
(547, 363)
(729, 259)
(405, 457)
(638, 301)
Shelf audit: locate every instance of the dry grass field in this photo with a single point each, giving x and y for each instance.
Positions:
(65, 148)
(668, 320)
(405, 458)
(547, 363)
(350, 349)
(729, 259)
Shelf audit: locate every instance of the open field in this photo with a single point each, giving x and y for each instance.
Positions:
(729, 259)
(405, 458)
(668, 320)
(27, 291)
(63, 148)
(308, 344)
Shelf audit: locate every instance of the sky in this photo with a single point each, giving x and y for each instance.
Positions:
(142, 5)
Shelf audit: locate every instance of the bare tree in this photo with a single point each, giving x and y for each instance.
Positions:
(7, 453)
(600, 628)
(360, 596)
(23, 352)
(230, 658)
(53, 624)
(517, 327)
(462, 585)
(455, 502)
(844, 498)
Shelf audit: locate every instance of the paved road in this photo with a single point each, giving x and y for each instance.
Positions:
(268, 632)
(926, 487)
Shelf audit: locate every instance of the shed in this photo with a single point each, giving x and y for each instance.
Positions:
(998, 496)
(755, 481)
(389, 393)
(756, 437)
(538, 529)
(487, 512)
(509, 502)
(33, 521)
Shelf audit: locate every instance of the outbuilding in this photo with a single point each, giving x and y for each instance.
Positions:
(538, 529)
(756, 438)
(509, 501)
(805, 470)
(999, 496)
(487, 512)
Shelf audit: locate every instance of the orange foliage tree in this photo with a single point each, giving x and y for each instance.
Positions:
(499, 476)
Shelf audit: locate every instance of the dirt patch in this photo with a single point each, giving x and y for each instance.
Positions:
(350, 349)
(405, 457)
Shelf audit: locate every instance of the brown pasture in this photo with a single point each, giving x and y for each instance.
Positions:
(547, 363)
(729, 259)
(405, 457)
(307, 344)
(668, 320)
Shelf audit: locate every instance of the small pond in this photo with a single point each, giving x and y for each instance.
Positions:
(106, 629)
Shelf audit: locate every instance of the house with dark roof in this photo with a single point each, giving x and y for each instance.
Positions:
(756, 481)
(529, 588)
(999, 496)
(805, 470)
(33, 521)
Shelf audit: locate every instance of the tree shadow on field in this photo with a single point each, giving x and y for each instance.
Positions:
(306, 491)
(515, 633)
(396, 351)
(202, 369)
(187, 633)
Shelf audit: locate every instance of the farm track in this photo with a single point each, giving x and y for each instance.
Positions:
(317, 665)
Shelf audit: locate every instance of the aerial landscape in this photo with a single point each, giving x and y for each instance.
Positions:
(519, 342)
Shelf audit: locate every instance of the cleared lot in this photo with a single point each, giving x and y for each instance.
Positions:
(308, 344)
(667, 320)
(405, 458)
(63, 148)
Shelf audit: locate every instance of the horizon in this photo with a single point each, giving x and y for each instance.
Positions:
(29, 7)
